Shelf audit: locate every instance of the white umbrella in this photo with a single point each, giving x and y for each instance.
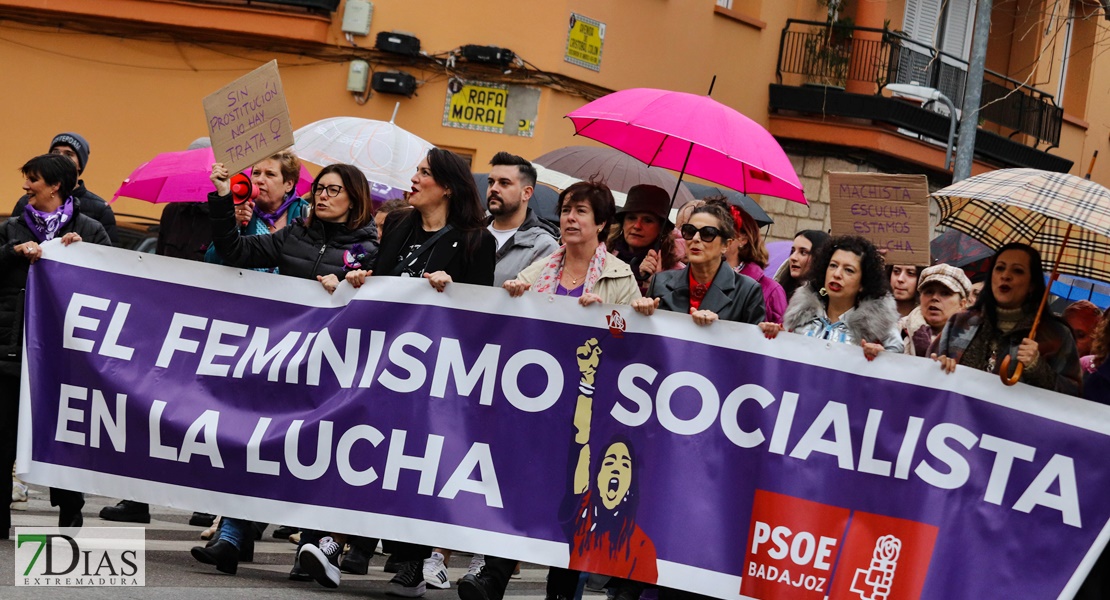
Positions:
(561, 181)
(383, 151)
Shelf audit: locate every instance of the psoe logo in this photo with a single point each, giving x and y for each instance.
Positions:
(86, 557)
(616, 324)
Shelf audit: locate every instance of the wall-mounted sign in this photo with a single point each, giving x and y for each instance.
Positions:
(491, 107)
(585, 38)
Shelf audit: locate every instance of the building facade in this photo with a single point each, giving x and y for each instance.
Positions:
(130, 75)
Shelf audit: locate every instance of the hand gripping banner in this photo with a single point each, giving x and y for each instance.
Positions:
(702, 458)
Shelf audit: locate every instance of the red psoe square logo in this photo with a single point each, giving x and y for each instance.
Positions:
(792, 547)
(883, 558)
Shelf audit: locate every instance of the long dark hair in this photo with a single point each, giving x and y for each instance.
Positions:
(464, 208)
(619, 523)
(358, 192)
(816, 239)
(987, 302)
(873, 281)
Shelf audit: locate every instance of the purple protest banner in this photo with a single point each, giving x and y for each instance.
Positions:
(702, 458)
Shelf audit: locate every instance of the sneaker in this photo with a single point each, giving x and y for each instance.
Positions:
(516, 572)
(321, 561)
(19, 496)
(408, 582)
(435, 572)
(477, 561)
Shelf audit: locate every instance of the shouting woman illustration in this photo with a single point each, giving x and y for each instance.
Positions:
(604, 537)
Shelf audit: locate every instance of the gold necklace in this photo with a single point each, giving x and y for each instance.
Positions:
(574, 280)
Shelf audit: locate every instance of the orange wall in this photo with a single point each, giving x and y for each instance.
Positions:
(133, 99)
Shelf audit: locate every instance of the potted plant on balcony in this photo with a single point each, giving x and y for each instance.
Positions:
(828, 49)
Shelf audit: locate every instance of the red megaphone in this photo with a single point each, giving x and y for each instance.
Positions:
(242, 189)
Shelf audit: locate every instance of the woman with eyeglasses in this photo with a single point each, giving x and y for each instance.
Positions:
(707, 289)
(338, 234)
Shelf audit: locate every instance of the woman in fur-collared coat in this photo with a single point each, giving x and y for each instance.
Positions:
(847, 299)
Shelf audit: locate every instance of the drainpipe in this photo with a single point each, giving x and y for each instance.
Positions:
(973, 92)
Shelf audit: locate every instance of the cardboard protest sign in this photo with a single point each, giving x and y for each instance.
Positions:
(585, 38)
(248, 119)
(890, 210)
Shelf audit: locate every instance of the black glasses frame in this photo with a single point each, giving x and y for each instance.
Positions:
(330, 191)
(707, 233)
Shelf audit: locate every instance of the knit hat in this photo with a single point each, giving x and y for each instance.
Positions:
(75, 141)
(948, 276)
(650, 199)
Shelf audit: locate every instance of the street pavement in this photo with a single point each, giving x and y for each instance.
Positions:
(173, 574)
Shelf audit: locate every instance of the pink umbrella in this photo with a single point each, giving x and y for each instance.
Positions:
(691, 134)
(180, 177)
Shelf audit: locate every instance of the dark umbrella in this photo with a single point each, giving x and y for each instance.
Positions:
(618, 170)
(744, 201)
(958, 249)
(544, 199)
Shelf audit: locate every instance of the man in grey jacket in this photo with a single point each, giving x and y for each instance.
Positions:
(522, 237)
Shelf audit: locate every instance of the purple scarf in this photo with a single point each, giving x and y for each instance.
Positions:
(270, 217)
(45, 225)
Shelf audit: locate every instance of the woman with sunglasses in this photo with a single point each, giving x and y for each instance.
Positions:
(707, 289)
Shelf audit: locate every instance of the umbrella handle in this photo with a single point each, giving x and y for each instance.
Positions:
(1013, 379)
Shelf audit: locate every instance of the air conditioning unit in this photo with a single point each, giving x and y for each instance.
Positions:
(394, 82)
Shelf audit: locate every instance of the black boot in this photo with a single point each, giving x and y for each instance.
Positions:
(127, 511)
(246, 550)
(284, 531)
(68, 517)
(308, 536)
(200, 519)
(357, 560)
(222, 553)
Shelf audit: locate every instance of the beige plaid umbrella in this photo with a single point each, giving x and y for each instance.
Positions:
(1035, 207)
(1066, 218)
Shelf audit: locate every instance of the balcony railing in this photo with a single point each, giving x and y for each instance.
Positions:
(833, 54)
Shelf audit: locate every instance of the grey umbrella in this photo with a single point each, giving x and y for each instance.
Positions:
(744, 201)
(618, 170)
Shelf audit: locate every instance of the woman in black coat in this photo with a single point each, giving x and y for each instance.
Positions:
(445, 238)
(338, 235)
(707, 289)
(51, 213)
